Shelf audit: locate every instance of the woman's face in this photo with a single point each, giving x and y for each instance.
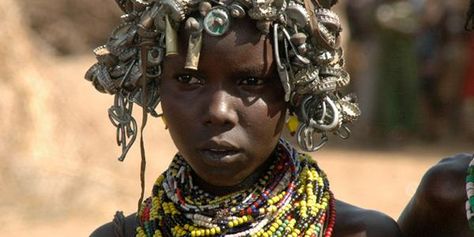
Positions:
(226, 117)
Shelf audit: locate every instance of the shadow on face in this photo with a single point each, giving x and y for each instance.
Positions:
(225, 117)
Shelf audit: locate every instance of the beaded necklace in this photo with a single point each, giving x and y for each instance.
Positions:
(292, 198)
(470, 194)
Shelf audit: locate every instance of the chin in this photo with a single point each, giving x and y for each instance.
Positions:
(222, 178)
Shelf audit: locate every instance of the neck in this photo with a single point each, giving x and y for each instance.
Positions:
(246, 183)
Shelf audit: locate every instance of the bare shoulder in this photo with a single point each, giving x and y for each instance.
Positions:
(352, 221)
(116, 228)
(438, 207)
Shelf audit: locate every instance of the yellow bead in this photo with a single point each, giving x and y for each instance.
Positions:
(292, 124)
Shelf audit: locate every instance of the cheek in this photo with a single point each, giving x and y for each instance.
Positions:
(275, 110)
(176, 114)
(265, 120)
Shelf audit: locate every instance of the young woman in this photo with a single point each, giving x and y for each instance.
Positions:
(229, 75)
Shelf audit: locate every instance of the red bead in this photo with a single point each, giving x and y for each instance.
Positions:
(180, 196)
(249, 211)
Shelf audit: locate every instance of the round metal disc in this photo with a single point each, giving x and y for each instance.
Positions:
(217, 22)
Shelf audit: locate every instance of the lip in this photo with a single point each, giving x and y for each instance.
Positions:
(218, 152)
(218, 145)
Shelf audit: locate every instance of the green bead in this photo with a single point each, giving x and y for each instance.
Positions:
(471, 201)
(470, 179)
(471, 223)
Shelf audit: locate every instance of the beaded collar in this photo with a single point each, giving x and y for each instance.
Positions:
(291, 198)
(470, 194)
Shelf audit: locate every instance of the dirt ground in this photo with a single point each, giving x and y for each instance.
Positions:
(67, 181)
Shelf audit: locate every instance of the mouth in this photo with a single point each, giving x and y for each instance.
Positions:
(219, 151)
(218, 154)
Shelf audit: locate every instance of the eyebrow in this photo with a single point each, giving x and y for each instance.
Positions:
(250, 68)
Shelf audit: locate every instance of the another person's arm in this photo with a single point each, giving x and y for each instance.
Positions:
(116, 228)
(438, 207)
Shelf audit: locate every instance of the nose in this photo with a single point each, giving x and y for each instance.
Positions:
(221, 109)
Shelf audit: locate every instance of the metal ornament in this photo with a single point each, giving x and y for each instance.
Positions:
(281, 68)
(306, 138)
(217, 21)
(194, 44)
(120, 116)
(171, 38)
(237, 10)
(204, 8)
(306, 44)
(297, 14)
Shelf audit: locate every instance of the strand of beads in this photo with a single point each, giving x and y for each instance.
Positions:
(291, 199)
(470, 194)
(307, 213)
(209, 203)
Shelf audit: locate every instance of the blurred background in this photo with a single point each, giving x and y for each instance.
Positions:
(412, 67)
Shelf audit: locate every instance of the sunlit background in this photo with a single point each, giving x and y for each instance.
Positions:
(412, 67)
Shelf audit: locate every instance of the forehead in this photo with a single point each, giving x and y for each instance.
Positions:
(243, 46)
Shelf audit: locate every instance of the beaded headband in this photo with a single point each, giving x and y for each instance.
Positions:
(306, 48)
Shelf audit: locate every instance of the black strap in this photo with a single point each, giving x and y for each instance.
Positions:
(144, 59)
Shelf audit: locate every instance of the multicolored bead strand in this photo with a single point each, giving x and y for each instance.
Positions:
(291, 198)
(470, 194)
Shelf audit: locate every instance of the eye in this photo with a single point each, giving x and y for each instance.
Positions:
(188, 79)
(251, 81)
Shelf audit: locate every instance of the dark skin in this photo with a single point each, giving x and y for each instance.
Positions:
(226, 119)
(233, 106)
(438, 207)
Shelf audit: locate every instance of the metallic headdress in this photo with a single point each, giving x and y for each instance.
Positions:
(306, 48)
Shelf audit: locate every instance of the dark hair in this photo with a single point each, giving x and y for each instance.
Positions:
(469, 25)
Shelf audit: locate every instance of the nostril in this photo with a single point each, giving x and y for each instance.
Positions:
(221, 110)
(220, 116)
